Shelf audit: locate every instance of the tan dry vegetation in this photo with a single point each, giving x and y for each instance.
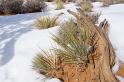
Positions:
(110, 2)
(86, 6)
(45, 22)
(59, 4)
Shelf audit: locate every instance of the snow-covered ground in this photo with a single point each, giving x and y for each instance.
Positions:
(20, 41)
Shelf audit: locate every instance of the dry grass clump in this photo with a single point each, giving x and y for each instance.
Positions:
(86, 6)
(107, 2)
(110, 2)
(45, 64)
(46, 22)
(59, 4)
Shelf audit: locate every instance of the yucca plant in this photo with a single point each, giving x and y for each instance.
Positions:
(46, 22)
(85, 53)
(49, 64)
(74, 40)
(86, 6)
(45, 63)
(75, 47)
(59, 4)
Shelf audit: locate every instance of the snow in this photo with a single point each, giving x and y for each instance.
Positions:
(18, 46)
(53, 80)
(20, 41)
(115, 15)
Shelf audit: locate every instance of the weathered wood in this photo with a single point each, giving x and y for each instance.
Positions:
(98, 69)
(105, 50)
(100, 60)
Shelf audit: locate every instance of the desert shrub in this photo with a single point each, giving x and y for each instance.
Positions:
(1, 9)
(45, 22)
(110, 2)
(10, 7)
(59, 4)
(33, 6)
(86, 6)
(107, 2)
(19, 7)
(119, 1)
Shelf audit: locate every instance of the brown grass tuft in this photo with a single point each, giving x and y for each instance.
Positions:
(59, 4)
(45, 22)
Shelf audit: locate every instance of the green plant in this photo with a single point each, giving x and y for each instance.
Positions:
(45, 22)
(59, 4)
(73, 39)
